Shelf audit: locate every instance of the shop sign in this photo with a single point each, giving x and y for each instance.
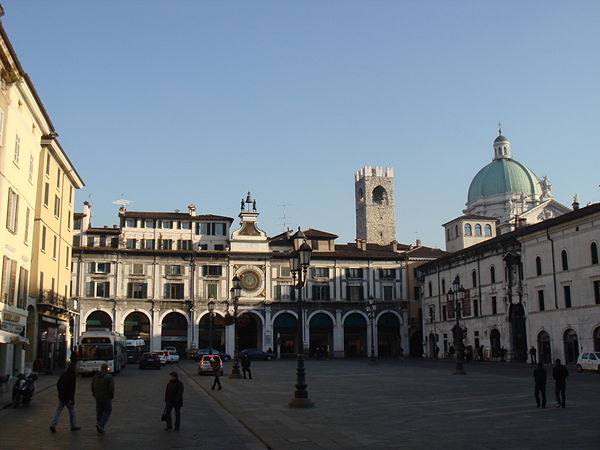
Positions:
(10, 322)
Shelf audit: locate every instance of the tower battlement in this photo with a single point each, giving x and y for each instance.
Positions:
(370, 171)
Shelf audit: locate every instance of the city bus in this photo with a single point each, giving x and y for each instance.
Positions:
(135, 348)
(97, 347)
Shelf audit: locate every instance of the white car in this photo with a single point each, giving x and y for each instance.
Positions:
(589, 361)
(172, 356)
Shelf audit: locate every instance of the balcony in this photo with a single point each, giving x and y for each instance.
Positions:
(51, 299)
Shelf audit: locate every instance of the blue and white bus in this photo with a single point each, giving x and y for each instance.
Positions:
(97, 347)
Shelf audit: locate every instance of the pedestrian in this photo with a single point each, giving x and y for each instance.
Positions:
(502, 354)
(532, 355)
(246, 366)
(539, 376)
(103, 389)
(560, 374)
(216, 369)
(66, 397)
(437, 352)
(173, 400)
(401, 352)
(74, 355)
(451, 351)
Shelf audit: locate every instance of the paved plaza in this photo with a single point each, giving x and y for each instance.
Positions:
(412, 404)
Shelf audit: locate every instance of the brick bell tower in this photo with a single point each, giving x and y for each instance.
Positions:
(375, 211)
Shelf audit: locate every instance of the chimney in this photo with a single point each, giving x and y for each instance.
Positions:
(394, 246)
(192, 209)
(419, 243)
(87, 216)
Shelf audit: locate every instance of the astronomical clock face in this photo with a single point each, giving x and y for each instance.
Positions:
(250, 280)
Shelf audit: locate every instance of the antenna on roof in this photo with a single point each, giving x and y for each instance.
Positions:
(122, 202)
(500, 128)
(284, 217)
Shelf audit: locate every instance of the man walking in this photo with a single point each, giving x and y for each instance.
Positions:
(246, 366)
(173, 400)
(216, 369)
(532, 355)
(539, 375)
(103, 389)
(66, 397)
(560, 374)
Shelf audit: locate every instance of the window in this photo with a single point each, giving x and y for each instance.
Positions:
(388, 292)
(538, 266)
(430, 289)
(565, 260)
(212, 290)
(98, 267)
(354, 273)
(130, 244)
(43, 238)
(186, 225)
(91, 241)
(114, 242)
(102, 241)
(594, 252)
(494, 305)
(202, 246)
(597, 292)
(46, 194)
(284, 272)
(27, 214)
(185, 245)
(455, 230)
(319, 272)
(167, 244)
(31, 167)
(149, 244)
(444, 313)
(475, 308)
(56, 206)
(68, 221)
(173, 291)
(137, 269)
(76, 241)
(443, 286)
(58, 175)
(477, 230)
(283, 292)
(130, 223)
(70, 195)
(22, 288)
(354, 292)
(12, 212)
(98, 289)
(219, 247)
(1, 126)
(541, 301)
(48, 164)
(567, 294)
(211, 229)
(173, 270)
(320, 292)
(67, 252)
(17, 153)
(212, 271)
(77, 224)
(149, 223)
(474, 278)
(167, 224)
(468, 230)
(387, 274)
(488, 230)
(54, 247)
(9, 279)
(448, 234)
(137, 290)
(492, 274)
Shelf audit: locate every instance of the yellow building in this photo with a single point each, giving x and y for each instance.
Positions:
(27, 143)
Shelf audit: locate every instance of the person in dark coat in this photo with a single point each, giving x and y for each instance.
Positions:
(216, 369)
(66, 397)
(539, 376)
(174, 400)
(560, 374)
(103, 390)
(246, 366)
(533, 355)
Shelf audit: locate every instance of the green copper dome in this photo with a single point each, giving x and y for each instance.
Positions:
(501, 176)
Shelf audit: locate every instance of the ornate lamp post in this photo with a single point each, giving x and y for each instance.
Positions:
(211, 309)
(299, 262)
(236, 292)
(456, 296)
(371, 308)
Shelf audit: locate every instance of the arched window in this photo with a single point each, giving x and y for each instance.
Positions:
(488, 230)
(538, 266)
(565, 260)
(455, 231)
(493, 274)
(594, 251)
(361, 195)
(477, 230)
(430, 290)
(474, 278)
(468, 230)
(448, 234)
(380, 196)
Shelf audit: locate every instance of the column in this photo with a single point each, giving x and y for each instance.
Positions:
(230, 340)
(155, 330)
(338, 335)
(268, 330)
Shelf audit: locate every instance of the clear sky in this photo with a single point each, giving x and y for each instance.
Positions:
(176, 102)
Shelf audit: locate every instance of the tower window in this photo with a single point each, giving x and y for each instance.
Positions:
(488, 230)
(380, 196)
(492, 274)
(565, 260)
(538, 266)
(594, 252)
(468, 230)
(361, 195)
(477, 230)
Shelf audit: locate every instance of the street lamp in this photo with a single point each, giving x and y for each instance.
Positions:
(211, 309)
(456, 297)
(299, 262)
(371, 308)
(236, 292)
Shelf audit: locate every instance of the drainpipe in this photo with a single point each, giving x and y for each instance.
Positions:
(553, 267)
(480, 306)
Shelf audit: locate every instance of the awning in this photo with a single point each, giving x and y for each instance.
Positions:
(11, 338)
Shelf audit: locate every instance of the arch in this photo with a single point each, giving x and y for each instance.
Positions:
(98, 319)
(477, 229)
(211, 334)
(571, 345)
(492, 274)
(174, 330)
(355, 311)
(544, 348)
(137, 326)
(468, 230)
(596, 337)
(380, 196)
(488, 230)
(285, 332)
(283, 311)
(564, 258)
(204, 313)
(355, 334)
(538, 266)
(172, 310)
(495, 343)
(594, 252)
(321, 333)
(388, 333)
(361, 195)
(320, 311)
(249, 330)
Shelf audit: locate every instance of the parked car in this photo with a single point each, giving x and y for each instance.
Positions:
(150, 361)
(169, 349)
(588, 361)
(204, 364)
(162, 356)
(172, 356)
(255, 353)
(210, 351)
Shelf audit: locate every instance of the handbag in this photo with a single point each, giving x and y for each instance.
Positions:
(163, 418)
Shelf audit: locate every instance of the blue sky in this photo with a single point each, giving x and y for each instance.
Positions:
(179, 102)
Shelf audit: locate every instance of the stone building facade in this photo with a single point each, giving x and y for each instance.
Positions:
(375, 210)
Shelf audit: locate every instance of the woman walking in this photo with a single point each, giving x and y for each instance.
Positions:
(173, 400)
